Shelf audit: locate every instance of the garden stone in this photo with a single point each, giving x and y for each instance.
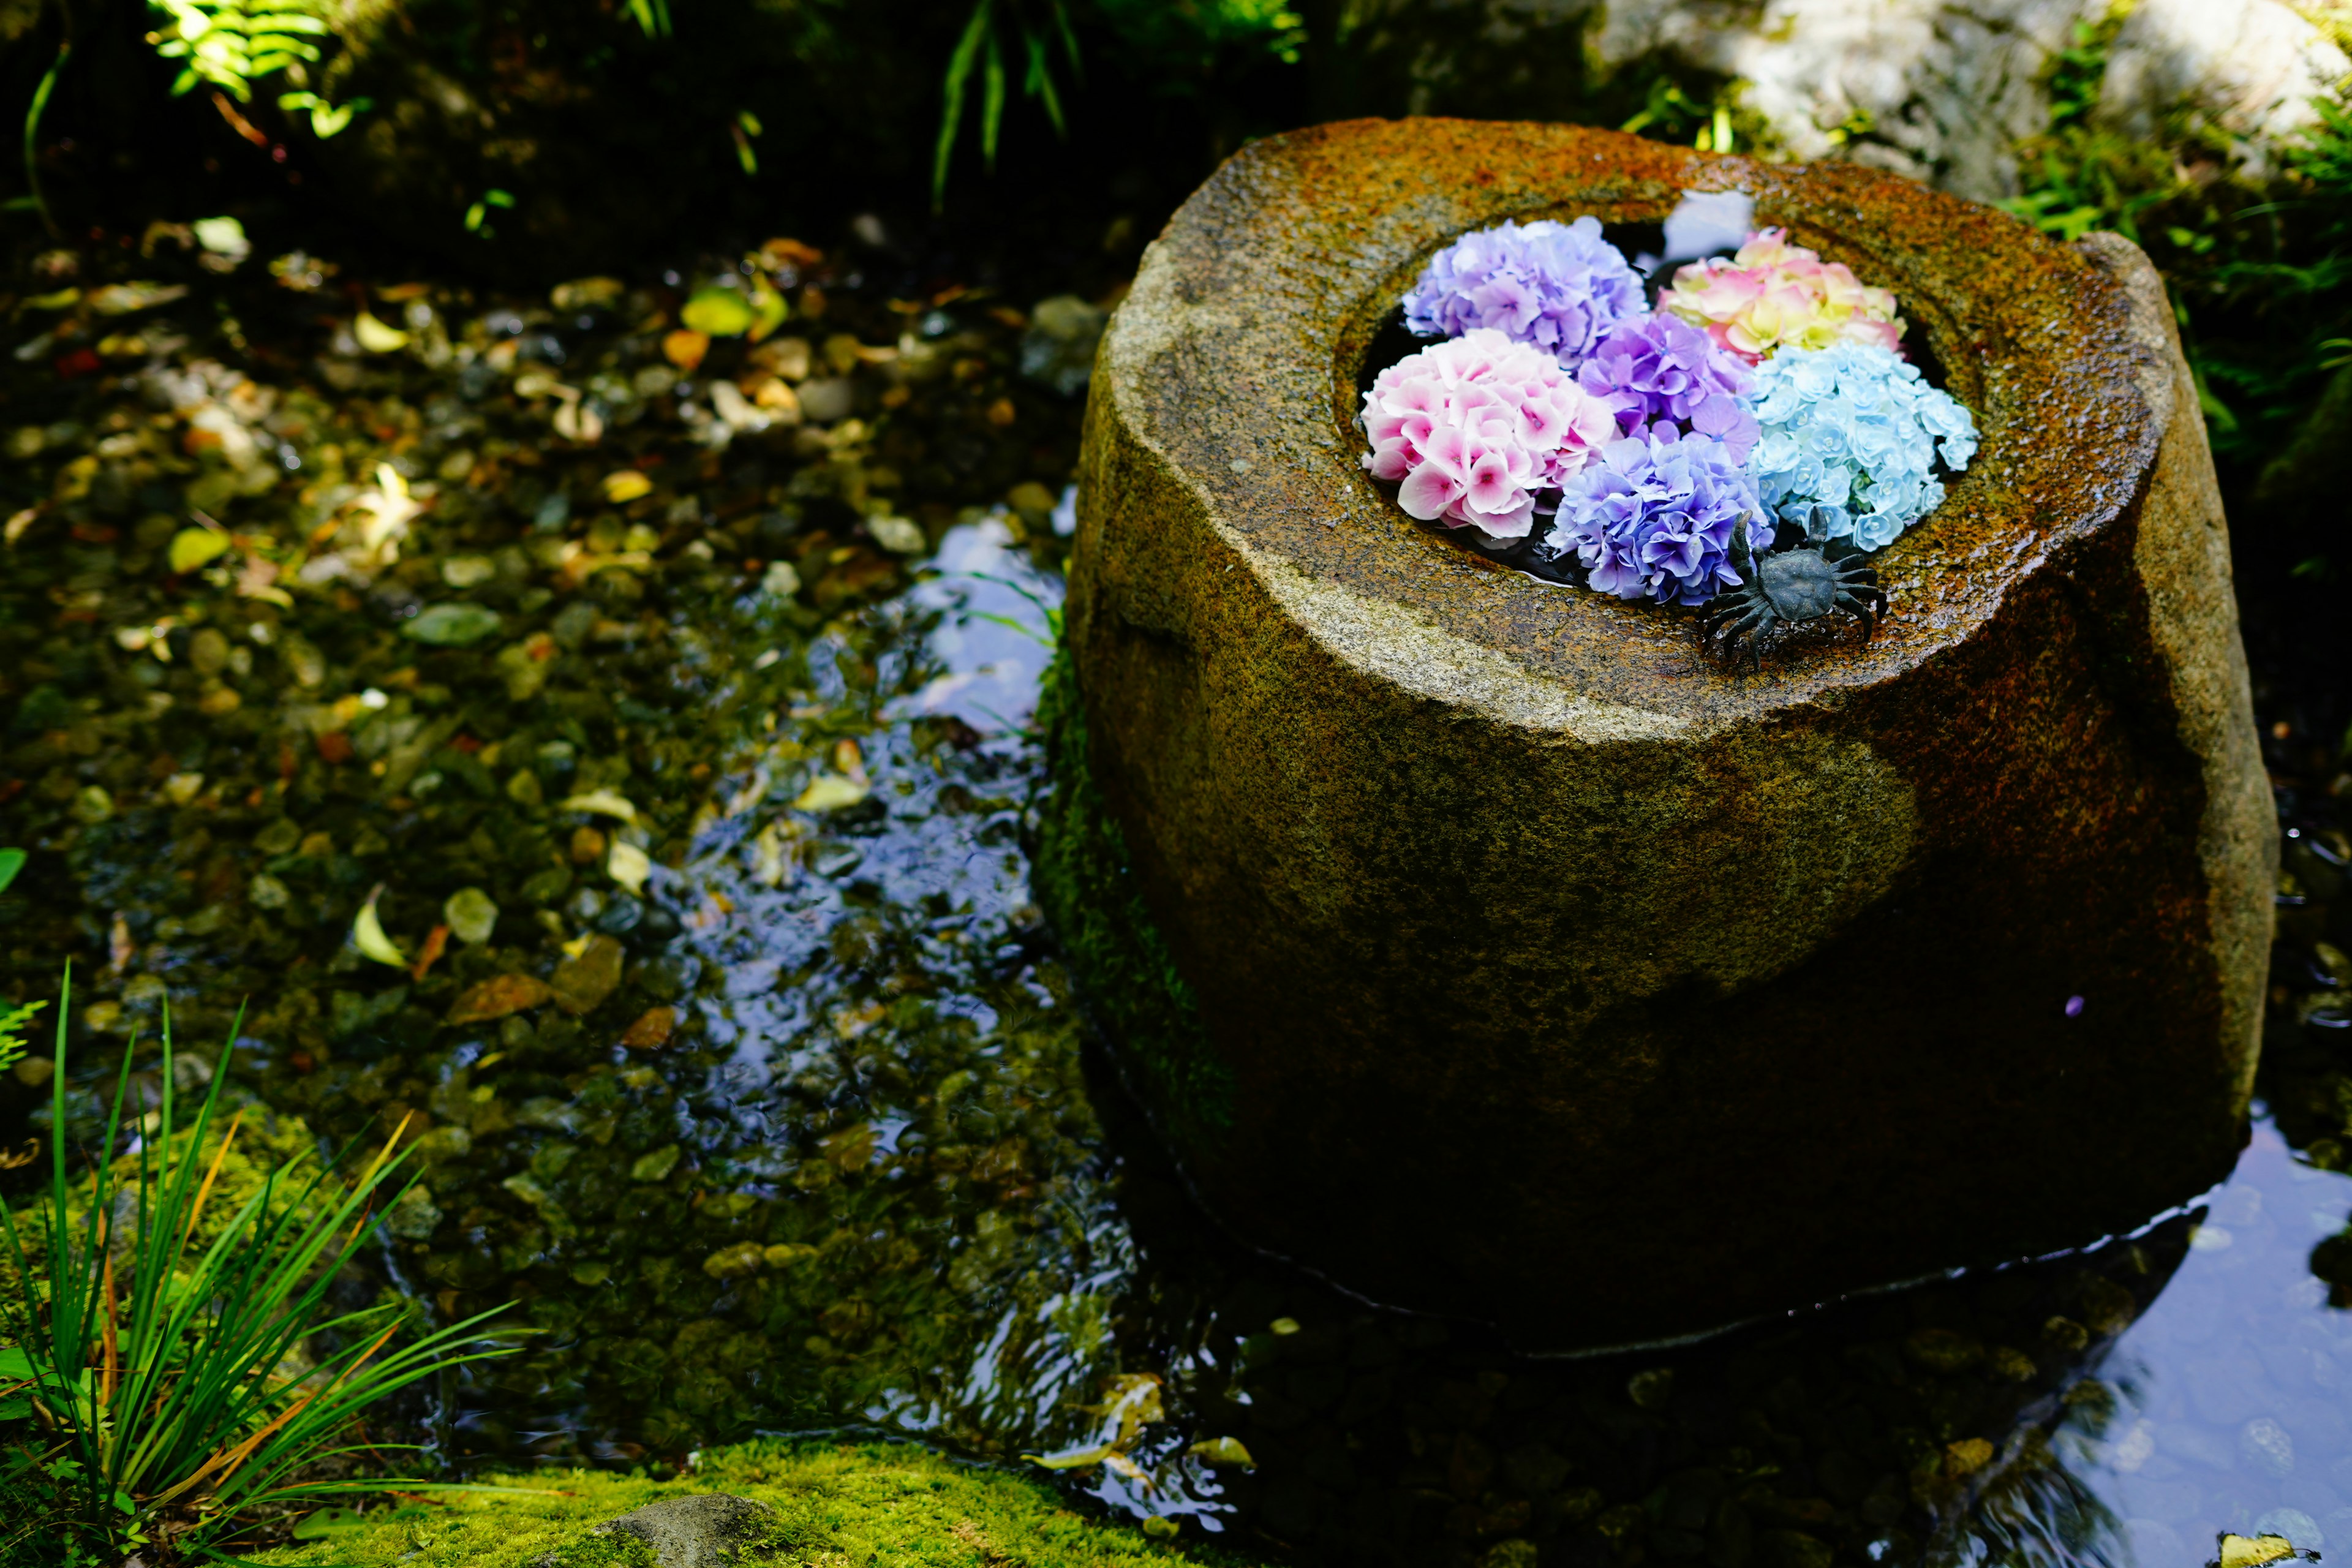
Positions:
(1549, 972)
(701, 1531)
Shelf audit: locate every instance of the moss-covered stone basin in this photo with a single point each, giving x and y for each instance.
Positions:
(1549, 971)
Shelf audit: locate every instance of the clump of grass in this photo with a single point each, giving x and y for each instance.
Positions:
(171, 1390)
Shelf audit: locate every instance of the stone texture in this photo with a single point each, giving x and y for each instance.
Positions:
(1942, 90)
(706, 1531)
(1549, 972)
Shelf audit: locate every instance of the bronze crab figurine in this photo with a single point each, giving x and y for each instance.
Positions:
(1786, 587)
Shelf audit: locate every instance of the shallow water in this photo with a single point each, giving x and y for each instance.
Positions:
(810, 1137)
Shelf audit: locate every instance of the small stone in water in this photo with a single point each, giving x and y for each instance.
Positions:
(587, 846)
(734, 1262)
(267, 892)
(1651, 1390)
(827, 399)
(899, 535)
(452, 625)
(582, 984)
(781, 581)
(467, 571)
(471, 915)
(496, 997)
(651, 1029)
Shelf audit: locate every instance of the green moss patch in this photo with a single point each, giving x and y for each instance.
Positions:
(836, 1504)
(1084, 881)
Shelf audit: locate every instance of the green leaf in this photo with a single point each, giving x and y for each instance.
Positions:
(11, 862)
(960, 67)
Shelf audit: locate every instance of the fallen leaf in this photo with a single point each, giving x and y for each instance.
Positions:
(498, 997)
(1076, 1459)
(436, 942)
(367, 934)
(625, 485)
(651, 1030)
(375, 337)
(192, 547)
(581, 984)
(2243, 1551)
(456, 623)
(628, 864)
(603, 801)
(830, 792)
(685, 348)
(1221, 1451)
(719, 311)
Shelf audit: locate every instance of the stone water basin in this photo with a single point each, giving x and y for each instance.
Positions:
(1550, 973)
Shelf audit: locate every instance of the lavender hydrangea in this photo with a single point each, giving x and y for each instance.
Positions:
(1850, 437)
(1652, 516)
(1659, 368)
(1559, 286)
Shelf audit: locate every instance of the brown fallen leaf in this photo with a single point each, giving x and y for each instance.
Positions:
(651, 1030)
(498, 997)
(436, 942)
(582, 984)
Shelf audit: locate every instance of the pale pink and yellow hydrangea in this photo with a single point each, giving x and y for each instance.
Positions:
(1473, 427)
(1774, 295)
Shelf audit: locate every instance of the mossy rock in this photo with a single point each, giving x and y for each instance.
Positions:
(834, 1505)
(1536, 947)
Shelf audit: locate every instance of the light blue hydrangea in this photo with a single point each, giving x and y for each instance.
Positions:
(1851, 435)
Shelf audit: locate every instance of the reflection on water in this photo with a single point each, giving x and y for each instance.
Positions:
(812, 1139)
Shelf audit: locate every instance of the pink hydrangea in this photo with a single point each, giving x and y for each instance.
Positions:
(1472, 428)
(1777, 295)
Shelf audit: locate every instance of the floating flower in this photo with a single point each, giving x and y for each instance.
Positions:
(1559, 286)
(1472, 428)
(1849, 436)
(1653, 517)
(1660, 368)
(1775, 295)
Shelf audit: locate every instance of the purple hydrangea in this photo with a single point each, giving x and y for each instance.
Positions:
(1559, 286)
(1660, 369)
(1652, 516)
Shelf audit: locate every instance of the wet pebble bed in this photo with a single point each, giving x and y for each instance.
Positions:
(665, 702)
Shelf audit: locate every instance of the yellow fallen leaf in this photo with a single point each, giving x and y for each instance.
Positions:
(685, 348)
(374, 336)
(602, 802)
(2240, 1551)
(367, 934)
(628, 865)
(1221, 1451)
(625, 485)
(830, 792)
(192, 547)
(1075, 1459)
(577, 946)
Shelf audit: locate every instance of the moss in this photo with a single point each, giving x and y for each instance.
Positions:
(1082, 880)
(836, 1505)
(265, 1144)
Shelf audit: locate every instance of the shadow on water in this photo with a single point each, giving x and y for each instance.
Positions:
(746, 1066)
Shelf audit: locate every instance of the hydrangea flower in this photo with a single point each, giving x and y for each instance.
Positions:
(1775, 295)
(1559, 286)
(1659, 368)
(1850, 434)
(1476, 426)
(1653, 517)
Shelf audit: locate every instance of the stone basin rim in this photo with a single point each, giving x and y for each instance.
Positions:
(1299, 495)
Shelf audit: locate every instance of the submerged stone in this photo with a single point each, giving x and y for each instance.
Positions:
(1516, 939)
